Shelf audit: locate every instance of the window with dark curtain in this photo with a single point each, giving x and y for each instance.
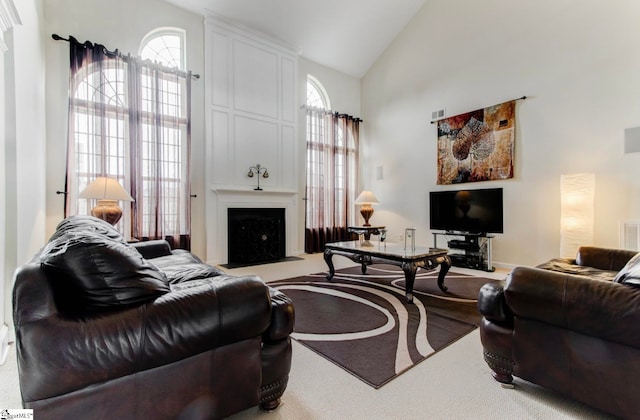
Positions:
(129, 119)
(332, 172)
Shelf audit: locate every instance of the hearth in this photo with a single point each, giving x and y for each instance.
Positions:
(256, 235)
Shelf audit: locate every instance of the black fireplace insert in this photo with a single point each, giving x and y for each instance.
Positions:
(256, 235)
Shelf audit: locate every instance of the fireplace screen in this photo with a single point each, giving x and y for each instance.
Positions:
(256, 235)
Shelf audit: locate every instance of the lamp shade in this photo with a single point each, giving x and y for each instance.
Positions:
(104, 188)
(108, 192)
(367, 197)
(576, 212)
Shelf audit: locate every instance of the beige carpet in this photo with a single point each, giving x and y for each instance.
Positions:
(452, 384)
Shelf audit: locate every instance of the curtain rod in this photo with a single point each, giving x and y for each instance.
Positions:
(328, 111)
(517, 99)
(116, 52)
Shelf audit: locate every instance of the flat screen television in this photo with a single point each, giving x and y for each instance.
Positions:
(467, 211)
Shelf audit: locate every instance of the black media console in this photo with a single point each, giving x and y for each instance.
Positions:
(469, 250)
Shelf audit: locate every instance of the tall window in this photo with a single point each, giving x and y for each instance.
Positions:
(130, 120)
(332, 170)
(165, 153)
(99, 140)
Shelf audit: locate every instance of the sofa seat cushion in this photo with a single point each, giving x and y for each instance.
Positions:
(181, 266)
(176, 257)
(569, 266)
(91, 272)
(190, 272)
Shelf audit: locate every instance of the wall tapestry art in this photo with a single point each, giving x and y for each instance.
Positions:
(477, 146)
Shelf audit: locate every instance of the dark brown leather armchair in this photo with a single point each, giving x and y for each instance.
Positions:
(571, 325)
(103, 332)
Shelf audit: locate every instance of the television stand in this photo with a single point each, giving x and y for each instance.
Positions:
(468, 250)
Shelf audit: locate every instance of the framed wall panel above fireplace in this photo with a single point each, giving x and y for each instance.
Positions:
(251, 106)
(251, 118)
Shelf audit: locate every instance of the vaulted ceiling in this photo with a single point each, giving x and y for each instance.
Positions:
(346, 35)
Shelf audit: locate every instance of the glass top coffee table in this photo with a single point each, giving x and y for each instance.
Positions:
(395, 254)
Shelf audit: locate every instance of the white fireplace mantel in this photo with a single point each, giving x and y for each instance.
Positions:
(226, 197)
(234, 189)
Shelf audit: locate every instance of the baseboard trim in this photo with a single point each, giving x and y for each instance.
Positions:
(4, 343)
(504, 266)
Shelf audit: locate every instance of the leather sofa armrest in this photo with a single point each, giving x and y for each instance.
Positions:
(153, 249)
(603, 258)
(210, 312)
(282, 317)
(492, 304)
(603, 309)
(62, 354)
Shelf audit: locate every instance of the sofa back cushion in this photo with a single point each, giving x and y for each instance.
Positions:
(609, 259)
(630, 273)
(87, 224)
(92, 272)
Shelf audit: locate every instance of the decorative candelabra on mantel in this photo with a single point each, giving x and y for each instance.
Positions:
(258, 170)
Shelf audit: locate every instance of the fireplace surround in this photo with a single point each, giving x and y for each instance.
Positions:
(225, 198)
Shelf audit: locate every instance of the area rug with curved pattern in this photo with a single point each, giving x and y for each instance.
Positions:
(362, 322)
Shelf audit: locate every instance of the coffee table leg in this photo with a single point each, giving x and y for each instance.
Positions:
(409, 278)
(445, 264)
(328, 258)
(364, 262)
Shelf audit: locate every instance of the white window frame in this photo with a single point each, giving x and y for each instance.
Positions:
(167, 31)
(324, 96)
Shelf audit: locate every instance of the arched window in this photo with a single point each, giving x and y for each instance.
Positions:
(165, 46)
(316, 95)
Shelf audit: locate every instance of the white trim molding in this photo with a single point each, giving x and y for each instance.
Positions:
(4, 343)
(225, 198)
(8, 19)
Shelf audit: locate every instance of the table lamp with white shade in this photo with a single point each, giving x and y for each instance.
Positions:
(366, 199)
(108, 192)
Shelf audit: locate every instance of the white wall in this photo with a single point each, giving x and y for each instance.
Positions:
(117, 24)
(30, 148)
(24, 153)
(576, 60)
(4, 283)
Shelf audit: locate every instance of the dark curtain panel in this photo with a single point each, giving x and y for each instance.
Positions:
(332, 177)
(97, 114)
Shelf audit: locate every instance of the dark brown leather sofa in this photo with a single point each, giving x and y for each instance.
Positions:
(571, 325)
(105, 329)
